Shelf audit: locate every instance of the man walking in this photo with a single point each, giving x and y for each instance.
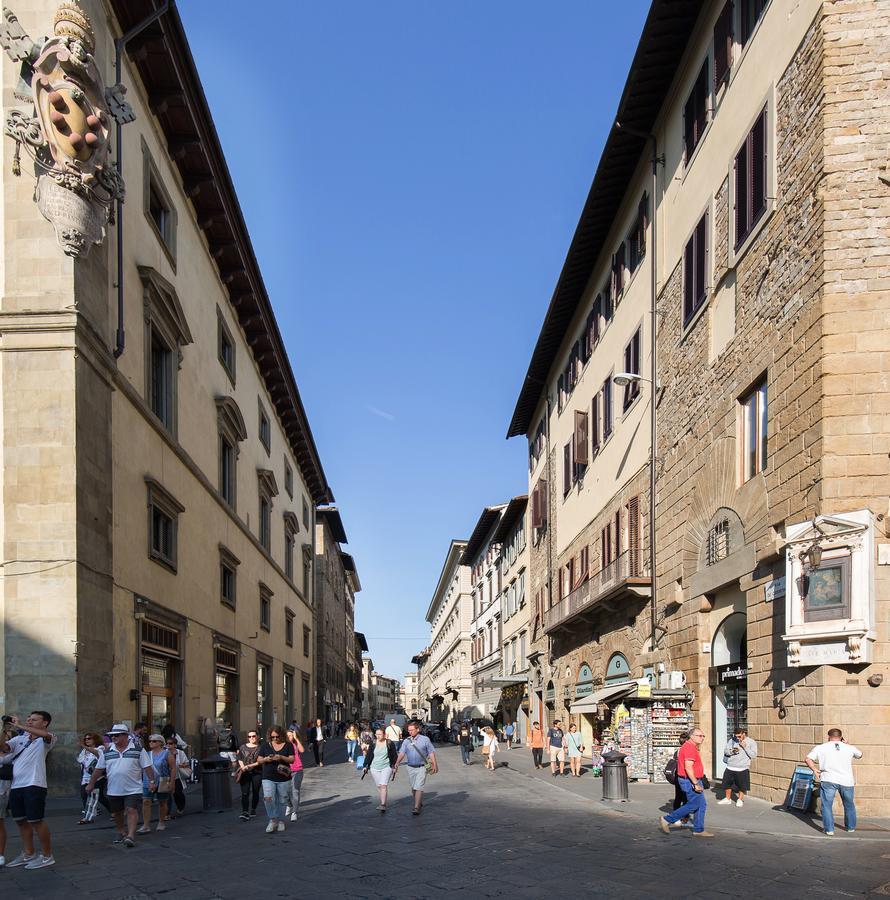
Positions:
(832, 763)
(690, 772)
(555, 741)
(123, 763)
(417, 749)
(27, 792)
(737, 756)
(393, 732)
(317, 739)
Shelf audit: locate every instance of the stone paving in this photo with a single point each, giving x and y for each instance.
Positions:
(501, 834)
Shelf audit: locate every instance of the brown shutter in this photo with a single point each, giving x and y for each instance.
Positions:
(617, 533)
(689, 126)
(580, 438)
(741, 194)
(642, 224)
(723, 45)
(619, 266)
(595, 423)
(701, 231)
(633, 535)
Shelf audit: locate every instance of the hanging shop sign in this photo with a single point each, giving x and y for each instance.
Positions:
(585, 682)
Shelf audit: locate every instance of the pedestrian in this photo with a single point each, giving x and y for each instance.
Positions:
(276, 755)
(317, 738)
(475, 731)
(296, 776)
(832, 764)
(168, 731)
(124, 765)
(737, 755)
(575, 748)
(90, 745)
(351, 741)
(537, 745)
(418, 751)
(489, 747)
(7, 731)
(393, 732)
(183, 771)
(555, 741)
(690, 775)
(140, 736)
(509, 731)
(249, 775)
(380, 760)
(366, 737)
(27, 793)
(679, 795)
(465, 741)
(158, 788)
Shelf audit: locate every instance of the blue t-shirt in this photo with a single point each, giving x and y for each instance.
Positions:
(508, 729)
(419, 756)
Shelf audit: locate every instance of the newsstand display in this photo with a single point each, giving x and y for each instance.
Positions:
(670, 717)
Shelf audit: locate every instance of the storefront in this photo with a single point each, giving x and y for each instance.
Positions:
(514, 703)
(728, 680)
(226, 685)
(160, 675)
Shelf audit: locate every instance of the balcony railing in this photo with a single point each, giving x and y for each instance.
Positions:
(628, 574)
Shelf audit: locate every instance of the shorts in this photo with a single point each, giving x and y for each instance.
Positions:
(28, 803)
(4, 798)
(381, 777)
(741, 781)
(557, 754)
(124, 801)
(417, 777)
(155, 795)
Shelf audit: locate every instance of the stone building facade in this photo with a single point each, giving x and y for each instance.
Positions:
(770, 206)
(159, 470)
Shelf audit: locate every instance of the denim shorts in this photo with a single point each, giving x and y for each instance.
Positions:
(28, 803)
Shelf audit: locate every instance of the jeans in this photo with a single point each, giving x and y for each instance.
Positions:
(827, 792)
(275, 795)
(296, 781)
(465, 754)
(538, 755)
(350, 749)
(695, 805)
(251, 784)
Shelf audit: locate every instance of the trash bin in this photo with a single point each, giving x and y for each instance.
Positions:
(216, 786)
(615, 776)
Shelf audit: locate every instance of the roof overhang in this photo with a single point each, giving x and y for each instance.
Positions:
(514, 511)
(452, 561)
(332, 516)
(666, 33)
(360, 640)
(486, 522)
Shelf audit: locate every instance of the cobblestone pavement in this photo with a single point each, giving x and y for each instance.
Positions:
(500, 834)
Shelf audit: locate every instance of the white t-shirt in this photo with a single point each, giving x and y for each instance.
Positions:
(87, 762)
(124, 769)
(835, 761)
(29, 768)
(393, 733)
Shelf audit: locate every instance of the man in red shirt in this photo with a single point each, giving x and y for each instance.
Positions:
(690, 772)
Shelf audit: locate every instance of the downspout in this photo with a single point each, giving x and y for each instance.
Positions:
(119, 45)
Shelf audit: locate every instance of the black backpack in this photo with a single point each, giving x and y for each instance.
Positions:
(670, 770)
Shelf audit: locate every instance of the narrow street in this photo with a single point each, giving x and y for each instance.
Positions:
(506, 834)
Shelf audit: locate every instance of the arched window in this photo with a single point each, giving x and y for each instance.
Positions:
(617, 670)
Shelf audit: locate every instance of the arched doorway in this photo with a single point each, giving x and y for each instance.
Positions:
(729, 682)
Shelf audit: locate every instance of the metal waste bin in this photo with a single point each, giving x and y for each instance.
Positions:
(615, 776)
(216, 786)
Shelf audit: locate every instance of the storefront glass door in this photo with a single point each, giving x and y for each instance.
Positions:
(156, 700)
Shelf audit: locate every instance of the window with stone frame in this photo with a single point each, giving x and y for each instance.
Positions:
(306, 636)
(750, 171)
(231, 431)
(228, 574)
(636, 240)
(753, 430)
(695, 113)
(695, 270)
(264, 428)
(288, 479)
(291, 527)
(158, 206)
(163, 524)
(266, 595)
(606, 403)
(166, 333)
(632, 365)
(267, 489)
(225, 345)
(289, 627)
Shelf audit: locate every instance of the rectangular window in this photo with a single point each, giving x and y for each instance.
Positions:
(226, 346)
(265, 522)
(595, 424)
(633, 535)
(607, 408)
(163, 516)
(227, 471)
(227, 582)
(753, 427)
(161, 380)
(265, 609)
(750, 172)
(580, 441)
(157, 205)
(289, 553)
(306, 634)
(632, 366)
(636, 240)
(288, 628)
(695, 290)
(288, 479)
(618, 273)
(265, 430)
(305, 514)
(695, 113)
(723, 45)
(288, 697)
(606, 546)
(566, 469)
(749, 15)
(607, 305)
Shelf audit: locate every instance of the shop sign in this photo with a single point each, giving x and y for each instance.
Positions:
(644, 688)
(775, 589)
(732, 673)
(585, 682)
(550, 693)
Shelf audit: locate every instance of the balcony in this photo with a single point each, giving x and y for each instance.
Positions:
(626, 577)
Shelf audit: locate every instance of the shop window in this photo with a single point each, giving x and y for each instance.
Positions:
(226, 673)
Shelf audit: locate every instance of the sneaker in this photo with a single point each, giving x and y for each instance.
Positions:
(293, 817)
(724, 802)
(287, 810)
(253, 815)
(380, 807)
(161, 827)
(143, 829)
(41, 862)
(21, 860)
(270, 828)
(118, 840)
(129, 843)
(244, 817)
(703, 834)
(739, 803)
(829, 834)
(281, 826)
(2, 861)
(849, 831)
(664, 824)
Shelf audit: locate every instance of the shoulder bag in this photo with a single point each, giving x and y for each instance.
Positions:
(426, 762)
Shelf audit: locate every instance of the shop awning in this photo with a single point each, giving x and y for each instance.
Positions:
(611, 692)
(510, 679)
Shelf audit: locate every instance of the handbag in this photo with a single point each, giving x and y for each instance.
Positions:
(426, 762)
(165, 784)
(282, 769)
(486, 750)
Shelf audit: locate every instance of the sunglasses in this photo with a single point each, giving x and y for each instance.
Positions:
(156, 742)
(275, 736)
(252, 734)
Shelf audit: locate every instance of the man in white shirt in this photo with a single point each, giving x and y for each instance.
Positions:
(123, 763)
(393, 732)
(27, 794)
(832, 763)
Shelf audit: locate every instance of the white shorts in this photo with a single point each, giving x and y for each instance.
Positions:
(381, 777)
(417, 777)
(557, 754)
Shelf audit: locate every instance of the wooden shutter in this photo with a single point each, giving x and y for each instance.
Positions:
(701, 102)
(560, 391)
(688, 279)
(633, 535)
(567, 468)
(595, 423)
(607, 408)
(583, 563)
(701, 254)
(619, 267)
(597, 312)
(741, 194)
(580, 438)
(544, 502)
(617, 533)
(536, 503)
(642, 224)
(689, 126)
(723, 45)
(757, 186)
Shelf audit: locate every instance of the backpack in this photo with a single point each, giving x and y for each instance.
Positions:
(670, 770)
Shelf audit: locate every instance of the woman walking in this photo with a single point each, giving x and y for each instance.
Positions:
(351, 741)
(537, 745)
(380, 759)
(249, 775)
(465, 740)
(489, 746)
(575, 748)
(508, 734)
(163, 761)
(276, 756)
(183, 771)
(296, 776)
(90, 745)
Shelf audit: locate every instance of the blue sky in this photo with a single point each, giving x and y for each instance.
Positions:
(411, 174)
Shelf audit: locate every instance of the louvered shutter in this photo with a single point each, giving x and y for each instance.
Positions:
(567, 468)
(701, 232)
(595, 423)
(741, 194)
(580, 438)
(633, 535)
(722, 45)
(617, 533)
(757, 192)
(642, 224)
(619, 267)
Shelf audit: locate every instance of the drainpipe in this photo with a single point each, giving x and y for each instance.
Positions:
(653, 327)
(119, 45)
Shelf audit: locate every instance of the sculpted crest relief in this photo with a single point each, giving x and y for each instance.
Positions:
(67, 130)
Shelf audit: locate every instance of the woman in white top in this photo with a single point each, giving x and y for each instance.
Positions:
(90, 746)
(572, 743)
(489, 747)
